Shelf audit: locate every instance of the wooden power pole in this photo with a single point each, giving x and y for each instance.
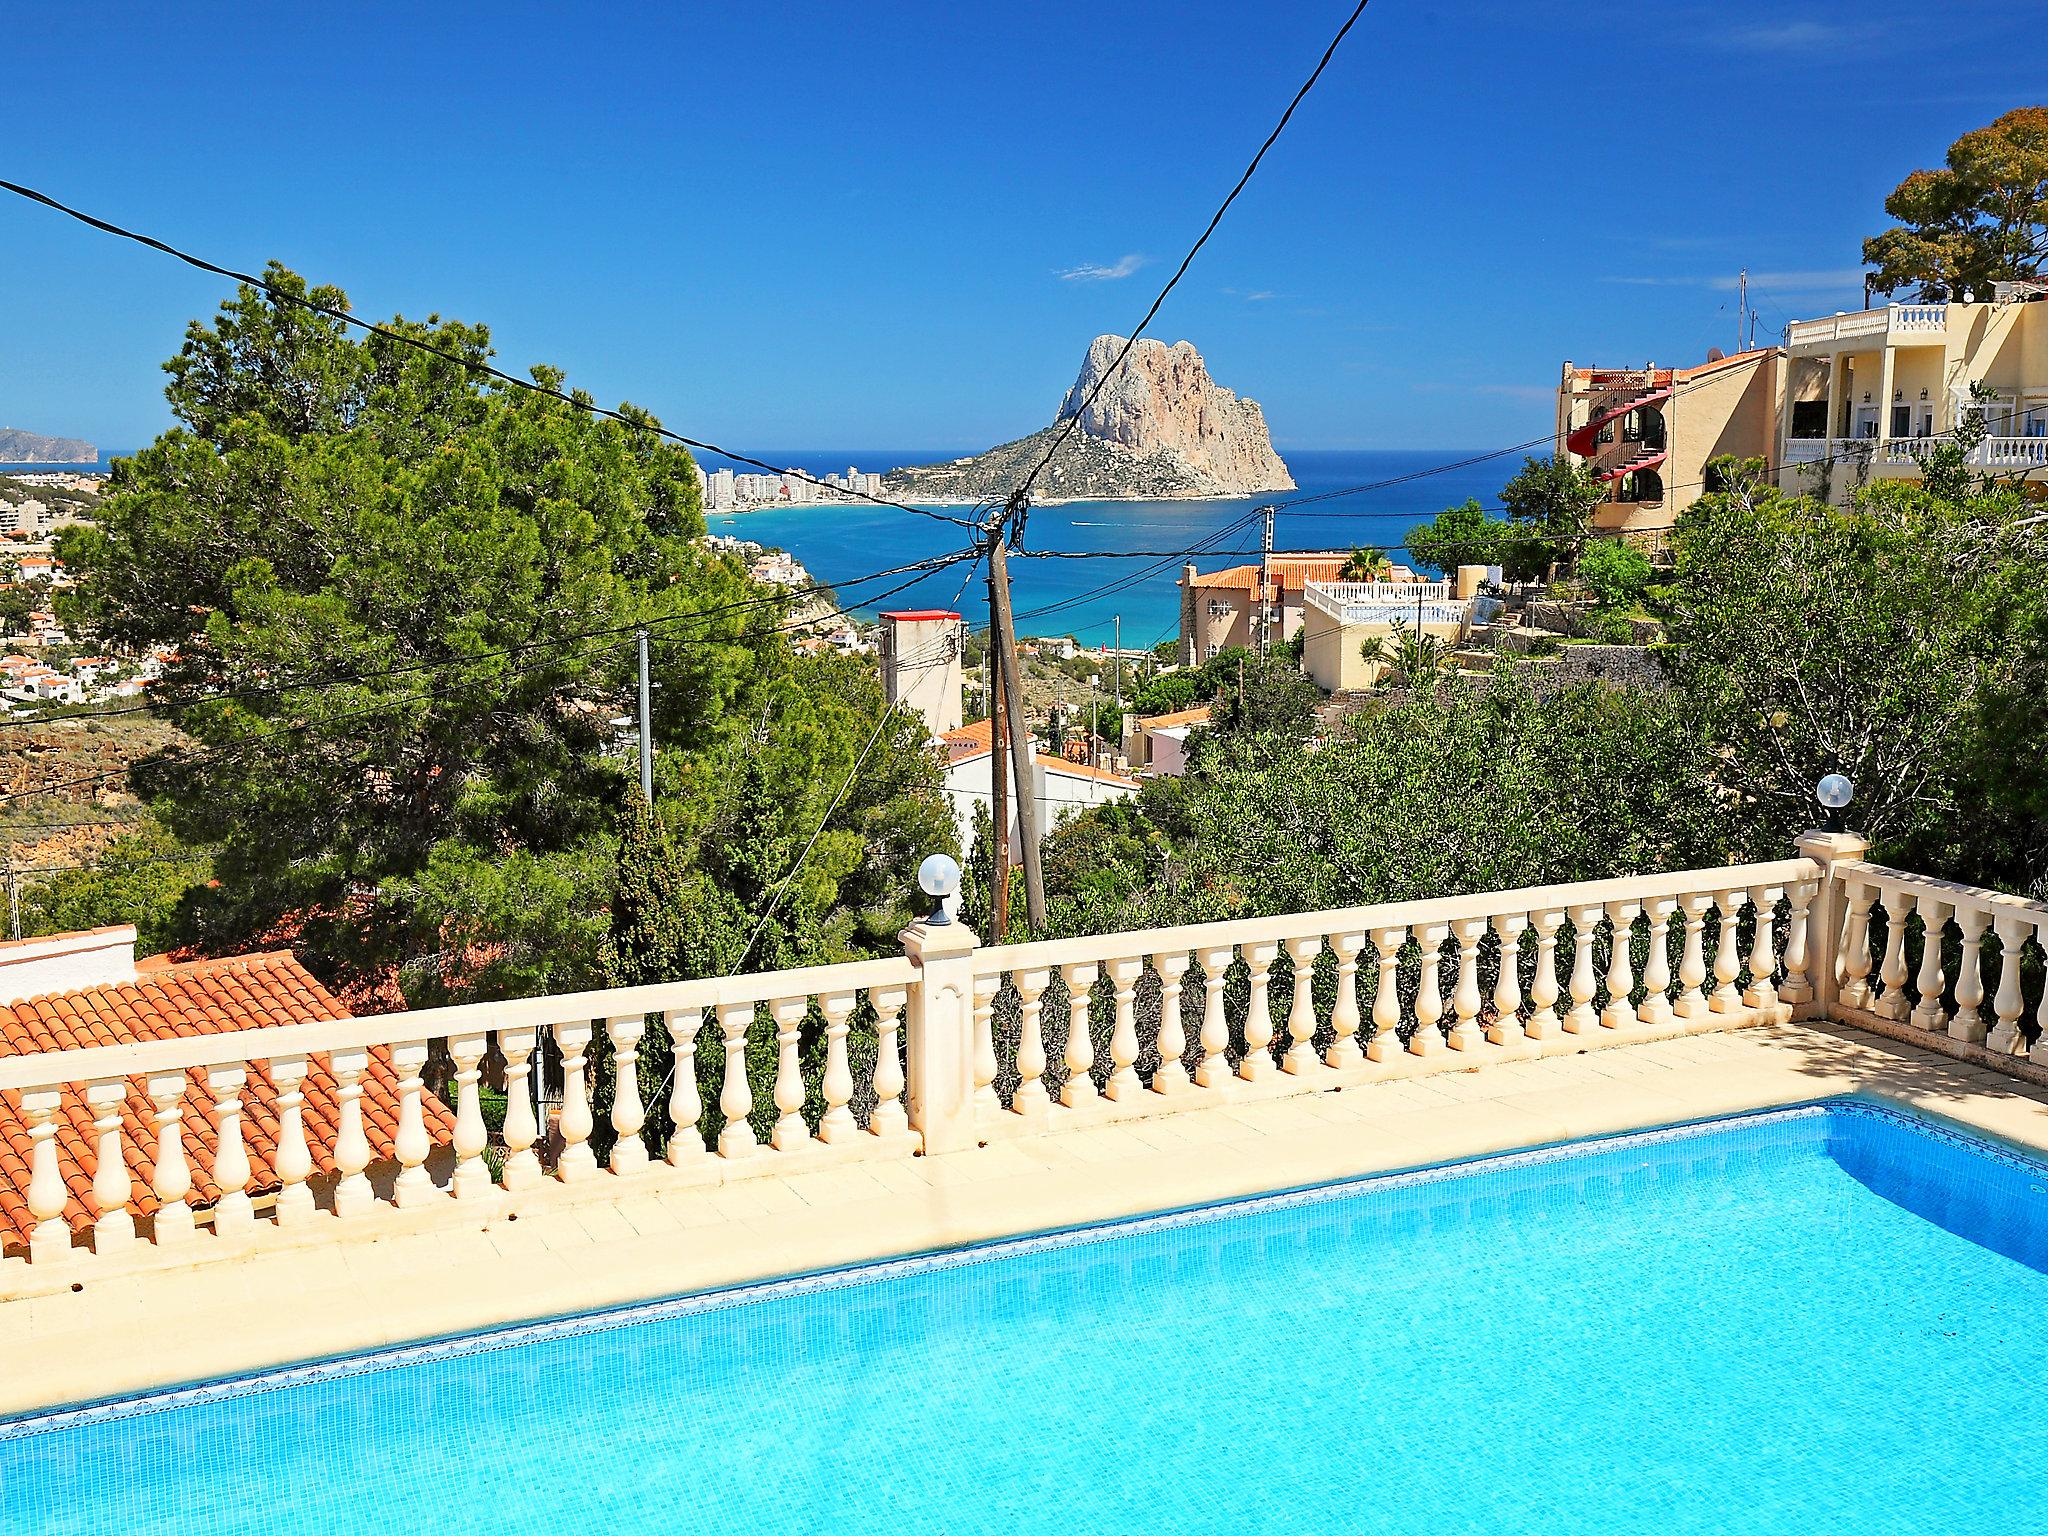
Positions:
(999, 779)
(1005, 642)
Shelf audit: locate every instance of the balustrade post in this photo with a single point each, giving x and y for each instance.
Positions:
(1172, 1075)
(49, 1242)
(1967, 1023)
(1620, 1012)
(1762, 991)
(889, 1118)
(986, 986)
(1031, 1100)
(1429, 990)
(1855, 963)
(1797, 991)
(472, 1175)
(232, 1209)
(1213, 1070)
(1655, 1010)
(1344, 1053)
(1727, 995)
(1258, 1013)
(1385, 1044)
(837, 1123)
(1079, 1088)
(1506, 1027)
(574, 1122)
(1891, 971)
(410, 1146)
(1466, 1034)
(790, 1132)
(1583, 1016)
(2038, 1051)
(113, 1186)
(629, 1115)
(1123, 1039)
(1301, 1012)
(1692, 959)
(522, 1166)
(1543, 1023)
(1931, 1012)
(735, 1094)
(2008, 1005)
(293, 1163)
(170, 1178)
(1837, 853)
(685, 1099)
(940, 1037)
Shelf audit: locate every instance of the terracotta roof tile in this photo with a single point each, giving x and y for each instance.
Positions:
(204, 997)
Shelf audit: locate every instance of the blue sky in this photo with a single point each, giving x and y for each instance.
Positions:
(897, 225)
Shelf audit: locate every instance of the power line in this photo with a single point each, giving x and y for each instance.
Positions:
(1023, 491)
(473, 365)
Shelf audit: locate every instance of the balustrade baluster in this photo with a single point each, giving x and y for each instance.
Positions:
(1655, 1009)
(113, 1186)
(1429, 990)
(1506, 1028)
(1172, 1075)
(1967, 1024)
(1213, 1069)
(49, 1241)
(1620, 1012)
(522, 1165)
(1080, 1087)
(736, 1094)
(837, 1123)
(1583, 1016)
(1762, 991)
(233, 1211)
(1123, 1040)
(1543, 1022)
(2038, 1051)
(1892, 971)
(1856, 991)
(1301, 1012)
(986, 987)
(293, 1163)
(2008, 1004)
(1031, 1099)
(685, 1099)
(170, 1177)
(629, 1114)
(1692, 960)
(1344, 1053)
(889, 1118)
(1798, 987)
(790, 1132)
(1727, 996)
(1258, 1013)
(472, 1174)
(574, 1123)
(1385, 1044)
(1466, 1034)
(1931, 1012)
(410, 1146)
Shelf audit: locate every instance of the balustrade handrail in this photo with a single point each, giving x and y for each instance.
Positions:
(1951, 891)
(1043, 953)
(270, 1042)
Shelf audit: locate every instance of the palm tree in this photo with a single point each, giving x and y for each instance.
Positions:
(1420, 658)
(1366, 565)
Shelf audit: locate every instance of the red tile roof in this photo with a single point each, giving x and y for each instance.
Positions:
(967, 742)
(1288, 571)
(1199, 716)
(203, 997)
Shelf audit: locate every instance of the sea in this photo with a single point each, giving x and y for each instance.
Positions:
(1123, 583)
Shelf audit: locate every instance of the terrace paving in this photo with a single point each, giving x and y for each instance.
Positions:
(610, 1241)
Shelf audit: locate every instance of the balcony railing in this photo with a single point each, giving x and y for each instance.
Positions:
(1892, 320)
(951, 1047)
(1382, 602)
(1989, 453)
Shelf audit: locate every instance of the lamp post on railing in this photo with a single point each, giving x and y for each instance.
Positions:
(1831, 847)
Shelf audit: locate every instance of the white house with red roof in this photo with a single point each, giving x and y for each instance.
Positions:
(1062, 788)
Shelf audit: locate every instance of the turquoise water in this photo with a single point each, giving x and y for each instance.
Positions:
(1065, 597)
(1827, 1320)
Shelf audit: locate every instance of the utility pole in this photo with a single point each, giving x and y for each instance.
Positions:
(1004, 626)
(1741, 307)
(646, 730)
(13, 896)
(1118, 674)
(999, 777)
(1265, 580)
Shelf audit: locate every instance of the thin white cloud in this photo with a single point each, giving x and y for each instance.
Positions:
(1789, 37)
(1830, 280)
(1095, 272)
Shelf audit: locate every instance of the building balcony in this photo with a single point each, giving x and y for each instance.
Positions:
(1869, 329)
(1382, 602)
(950, 1094)
(1904, 453)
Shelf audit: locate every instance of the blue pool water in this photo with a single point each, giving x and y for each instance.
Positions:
(1828, 1319)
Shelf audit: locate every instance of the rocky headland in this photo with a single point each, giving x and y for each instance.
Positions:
(18, 447)
(1160, 429)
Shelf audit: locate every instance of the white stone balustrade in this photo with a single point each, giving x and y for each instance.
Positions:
(940, 1049)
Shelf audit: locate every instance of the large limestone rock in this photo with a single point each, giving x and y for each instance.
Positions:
(1160, 428)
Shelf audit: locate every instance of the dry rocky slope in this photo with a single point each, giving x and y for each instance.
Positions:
(1161, 429)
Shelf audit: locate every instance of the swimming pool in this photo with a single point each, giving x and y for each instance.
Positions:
(1820, 1319)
